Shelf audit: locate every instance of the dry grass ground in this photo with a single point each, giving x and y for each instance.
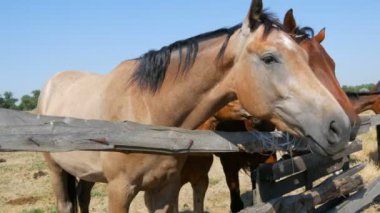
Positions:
(25, 186)
(372, 170)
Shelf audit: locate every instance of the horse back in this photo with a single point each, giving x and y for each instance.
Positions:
(72, 93)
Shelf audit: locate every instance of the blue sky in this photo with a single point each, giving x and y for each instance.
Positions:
(41, 37)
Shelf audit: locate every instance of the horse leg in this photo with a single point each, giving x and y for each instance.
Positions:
(63, 186)
(199, 192)
(120, 195)
(201, 166)
(84, 195)
(165, 198)
(231, 171)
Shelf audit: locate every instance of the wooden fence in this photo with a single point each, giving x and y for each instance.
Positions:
(332, 195)
(21, 131)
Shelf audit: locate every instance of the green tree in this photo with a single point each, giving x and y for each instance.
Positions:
(7, 100)
(358, 88)
(29, 102)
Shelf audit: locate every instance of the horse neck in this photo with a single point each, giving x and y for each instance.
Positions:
(183, 100)
(363, 103)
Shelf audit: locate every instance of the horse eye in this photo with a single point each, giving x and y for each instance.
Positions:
(269, 59)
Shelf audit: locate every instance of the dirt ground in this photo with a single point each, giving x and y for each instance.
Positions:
(25, 185)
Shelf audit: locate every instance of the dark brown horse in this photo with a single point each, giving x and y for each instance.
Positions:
(323, 67)
(183, 85)
(364, 101)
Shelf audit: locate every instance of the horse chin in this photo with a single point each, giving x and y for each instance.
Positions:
(317, 148)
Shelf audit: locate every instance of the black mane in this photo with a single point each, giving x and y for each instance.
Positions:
(151, 70)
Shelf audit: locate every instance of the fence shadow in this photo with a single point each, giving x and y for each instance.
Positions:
(247, 198)
(374, 157)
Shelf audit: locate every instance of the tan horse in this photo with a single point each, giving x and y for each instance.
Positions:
(183, 85)
(196, 168)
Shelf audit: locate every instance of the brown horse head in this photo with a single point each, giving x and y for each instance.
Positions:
(231, 112)
(266, 61)
(322, 65)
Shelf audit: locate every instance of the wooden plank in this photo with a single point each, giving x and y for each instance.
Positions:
(331, 188)
(269, 189)
(297, 172)
(375, 120)
(365, 124)
(352, 147)
(20, 131)
(360, 199)
(304, 162)
(300, 171)
(329, 205)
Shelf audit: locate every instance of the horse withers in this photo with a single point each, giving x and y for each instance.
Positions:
(256, 62)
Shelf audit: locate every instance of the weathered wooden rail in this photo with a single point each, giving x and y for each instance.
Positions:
(20, 131)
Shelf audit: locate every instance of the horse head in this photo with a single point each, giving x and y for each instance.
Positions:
(322, 65)
(267, 62)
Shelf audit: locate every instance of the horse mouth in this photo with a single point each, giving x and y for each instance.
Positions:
(317, 147)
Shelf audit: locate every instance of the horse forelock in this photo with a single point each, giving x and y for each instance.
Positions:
(269, 21)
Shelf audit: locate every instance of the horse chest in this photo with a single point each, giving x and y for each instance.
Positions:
(84, 165)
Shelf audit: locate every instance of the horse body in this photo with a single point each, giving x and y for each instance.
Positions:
(278, 86)
(127, 104)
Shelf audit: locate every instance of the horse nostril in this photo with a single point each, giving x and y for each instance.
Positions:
(334, 132)
(334, 127)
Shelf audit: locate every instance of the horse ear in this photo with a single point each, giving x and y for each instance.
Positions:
(254, 15)
(290, 22)
(321, 35)
(255, 10)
